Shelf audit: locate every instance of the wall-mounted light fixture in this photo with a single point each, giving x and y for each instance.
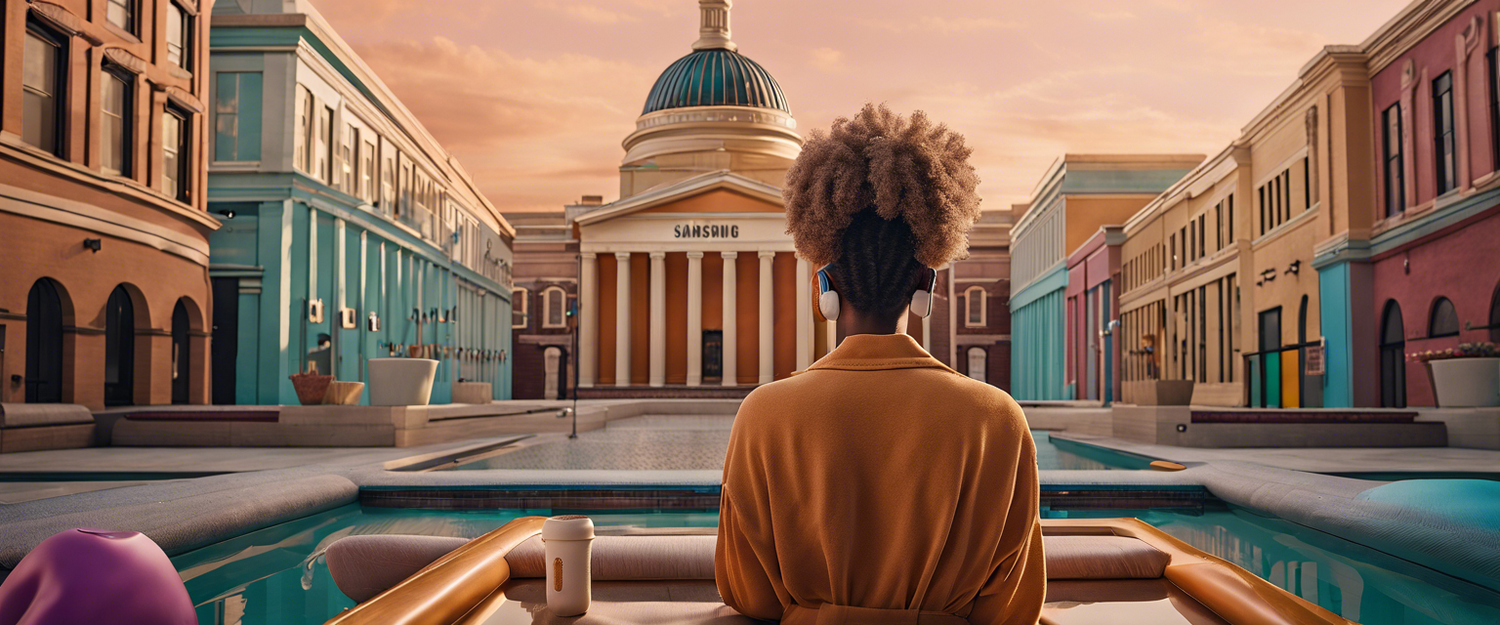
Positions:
(93, 245)
(227, 214)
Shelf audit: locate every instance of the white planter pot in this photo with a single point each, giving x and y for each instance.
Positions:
(1466, 382)
(401, 381)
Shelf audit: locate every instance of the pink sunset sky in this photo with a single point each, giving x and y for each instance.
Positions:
(535, 96)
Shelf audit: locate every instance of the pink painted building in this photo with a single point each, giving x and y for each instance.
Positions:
(1433, 242)
(1093, 301)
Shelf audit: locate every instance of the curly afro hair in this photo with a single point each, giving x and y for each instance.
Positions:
(902, 169)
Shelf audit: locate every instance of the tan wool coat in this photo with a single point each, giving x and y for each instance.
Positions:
(881, 486)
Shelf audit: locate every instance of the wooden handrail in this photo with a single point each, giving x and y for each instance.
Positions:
(449, 588)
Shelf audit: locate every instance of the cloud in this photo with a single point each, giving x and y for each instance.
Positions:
(590, 13)
(945, 25)
(534, 133)
(827, 59)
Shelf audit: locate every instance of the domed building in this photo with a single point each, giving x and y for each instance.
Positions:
(687, 285)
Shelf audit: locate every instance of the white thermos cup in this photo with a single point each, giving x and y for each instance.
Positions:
(567, 541)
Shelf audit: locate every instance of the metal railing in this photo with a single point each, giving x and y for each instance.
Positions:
(1264, 372)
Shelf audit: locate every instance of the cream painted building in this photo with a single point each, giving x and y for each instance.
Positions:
(1182, 264)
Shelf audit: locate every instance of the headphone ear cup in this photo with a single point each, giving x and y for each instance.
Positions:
(921, 303)
(828, 304)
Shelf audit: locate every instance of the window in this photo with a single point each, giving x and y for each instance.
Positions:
(1230, 223)
(367, 171)
(518, 319)
(237, 116)
(1494, 107)
(179, 37)
(1442, 118)
(387, 179)
(302, 141)
(350, 161)
(122, 13)
(1395, 172)
(325, 145)
(1444, 321)
(555, 301)
(42, 81)
(974, 306)
(115, 121)
(1392, 358)
(174, 154)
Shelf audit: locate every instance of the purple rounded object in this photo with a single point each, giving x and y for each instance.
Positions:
(95, 576)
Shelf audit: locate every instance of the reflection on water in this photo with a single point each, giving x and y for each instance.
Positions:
(276, 576)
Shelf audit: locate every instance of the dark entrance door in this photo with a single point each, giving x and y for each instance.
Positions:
(1392, 358)
(713, 354)
(226, 331)
(119, 349)
(1270, 341)
(181, 355)
(44, 343)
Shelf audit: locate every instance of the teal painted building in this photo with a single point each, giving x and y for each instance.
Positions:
(349, 232)
(1079, 194)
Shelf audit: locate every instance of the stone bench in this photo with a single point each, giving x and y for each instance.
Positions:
(37, 427)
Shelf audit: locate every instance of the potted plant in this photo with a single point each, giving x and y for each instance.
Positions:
(311, 386)
(1467, 376)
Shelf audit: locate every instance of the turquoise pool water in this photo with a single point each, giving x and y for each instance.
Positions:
(701, 445)
(275, 577)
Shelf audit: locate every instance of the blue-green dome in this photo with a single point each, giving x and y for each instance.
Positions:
(715, 77)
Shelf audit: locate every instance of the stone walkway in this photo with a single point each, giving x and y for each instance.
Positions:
(646, 443)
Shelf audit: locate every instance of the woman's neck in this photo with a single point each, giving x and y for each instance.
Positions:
(853, 322)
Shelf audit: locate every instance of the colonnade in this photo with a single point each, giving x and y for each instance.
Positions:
(658, 327)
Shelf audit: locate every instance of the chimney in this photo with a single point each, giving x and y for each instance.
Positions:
(713, 31)
(592, 200)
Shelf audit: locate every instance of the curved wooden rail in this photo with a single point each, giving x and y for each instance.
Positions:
(449, 588)
(1236, 595)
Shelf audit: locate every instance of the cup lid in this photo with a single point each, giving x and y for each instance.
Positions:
(568, 527)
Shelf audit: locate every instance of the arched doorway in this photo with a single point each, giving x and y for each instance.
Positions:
(182, 354)
(44, 343)
(551, 367)
(1392, 357)
(978, 364)
(119, 349)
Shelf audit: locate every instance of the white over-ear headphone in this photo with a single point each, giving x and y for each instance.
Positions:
(828, 299)
(921, 301)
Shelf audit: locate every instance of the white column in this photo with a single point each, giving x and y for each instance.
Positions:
(731, 340)
(804, 315)
(695, 319)
(767, 347)
(622, 318)
(588, 320)
(658, 376)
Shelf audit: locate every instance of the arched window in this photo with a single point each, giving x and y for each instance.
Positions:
(1392, 357)
(182, 356)
(1444, 319)
(44, 343)
(518, 309)
(1495, 315)
(119, 349)
(974, 307)
(979, 364)
(554, 303)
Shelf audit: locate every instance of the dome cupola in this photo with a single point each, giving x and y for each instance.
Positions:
(715, 73)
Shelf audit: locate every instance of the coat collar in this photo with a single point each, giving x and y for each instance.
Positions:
(872, 352)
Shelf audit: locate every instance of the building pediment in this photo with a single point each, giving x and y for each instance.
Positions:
(709, 193)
